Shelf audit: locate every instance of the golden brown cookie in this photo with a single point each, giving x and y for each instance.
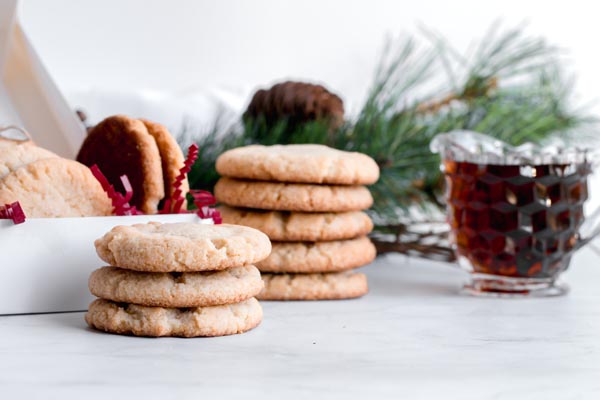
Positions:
(292, 196)
(170, 154)
(310, 257)
(182, 247)
(55, 187)
(14, 155)
(131, 319)
(176, 289)
(327, 286)
(120, 145)
(300, 163)
(290, 226)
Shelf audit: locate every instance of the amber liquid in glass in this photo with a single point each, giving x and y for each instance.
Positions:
(518, 221)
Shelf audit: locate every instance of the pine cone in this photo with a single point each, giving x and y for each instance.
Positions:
(298, 102)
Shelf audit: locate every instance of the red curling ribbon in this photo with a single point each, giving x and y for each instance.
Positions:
(174, 204)
(119, 201)
(203, 200)
(13, 211)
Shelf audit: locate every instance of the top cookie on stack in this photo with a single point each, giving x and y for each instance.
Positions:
(308, 200)
(299, 163)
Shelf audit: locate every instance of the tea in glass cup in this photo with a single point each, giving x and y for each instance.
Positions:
(515, 214)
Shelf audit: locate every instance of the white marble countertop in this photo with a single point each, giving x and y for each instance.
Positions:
(411, 337)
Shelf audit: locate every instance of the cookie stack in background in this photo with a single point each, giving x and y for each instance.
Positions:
(180, 279)
(308, 200)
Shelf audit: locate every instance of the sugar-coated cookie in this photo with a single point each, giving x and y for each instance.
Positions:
(290, 226)
(292, 196)
(301, 163)
(176, 289)
(55, 187)
(310, 257)
(130, 319)
(14, 155)
(120, 145)
(325, 286)
(182, 247)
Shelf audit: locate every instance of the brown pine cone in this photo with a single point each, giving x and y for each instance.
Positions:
(298, 102)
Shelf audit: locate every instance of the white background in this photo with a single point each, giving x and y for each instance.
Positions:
(186, 46)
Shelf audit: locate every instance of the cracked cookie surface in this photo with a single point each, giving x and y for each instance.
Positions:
(182, 247)
(301, 163)
(14, 155)
(55, 187)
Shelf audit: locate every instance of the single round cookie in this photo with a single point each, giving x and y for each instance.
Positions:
(182, 247)
(55, 187)
(292, 196)
(131, 319)
(176, 289)
(327, 286)
(19, 154)
(290, 226)
(300, 163)
(310, 257)
(120, 145)
(171, 156)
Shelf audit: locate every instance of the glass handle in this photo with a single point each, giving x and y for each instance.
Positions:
(589, 229)
(591, 225)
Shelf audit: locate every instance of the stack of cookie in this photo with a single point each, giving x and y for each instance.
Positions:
(178, 279)
(308, 200)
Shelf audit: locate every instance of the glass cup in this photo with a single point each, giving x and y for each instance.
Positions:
(515, 213)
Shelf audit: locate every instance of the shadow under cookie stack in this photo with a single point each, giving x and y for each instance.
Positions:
(180, 279)
(308, 199)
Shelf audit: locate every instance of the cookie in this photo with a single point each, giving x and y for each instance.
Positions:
(13, 156)
(292, 196)
(182, 247)
(328, 286)
(310, 257)
(290, 226)
(120, 145)
(176, 289)
(131, 319)
(55, 187)
(171, 156)
(300, 163)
